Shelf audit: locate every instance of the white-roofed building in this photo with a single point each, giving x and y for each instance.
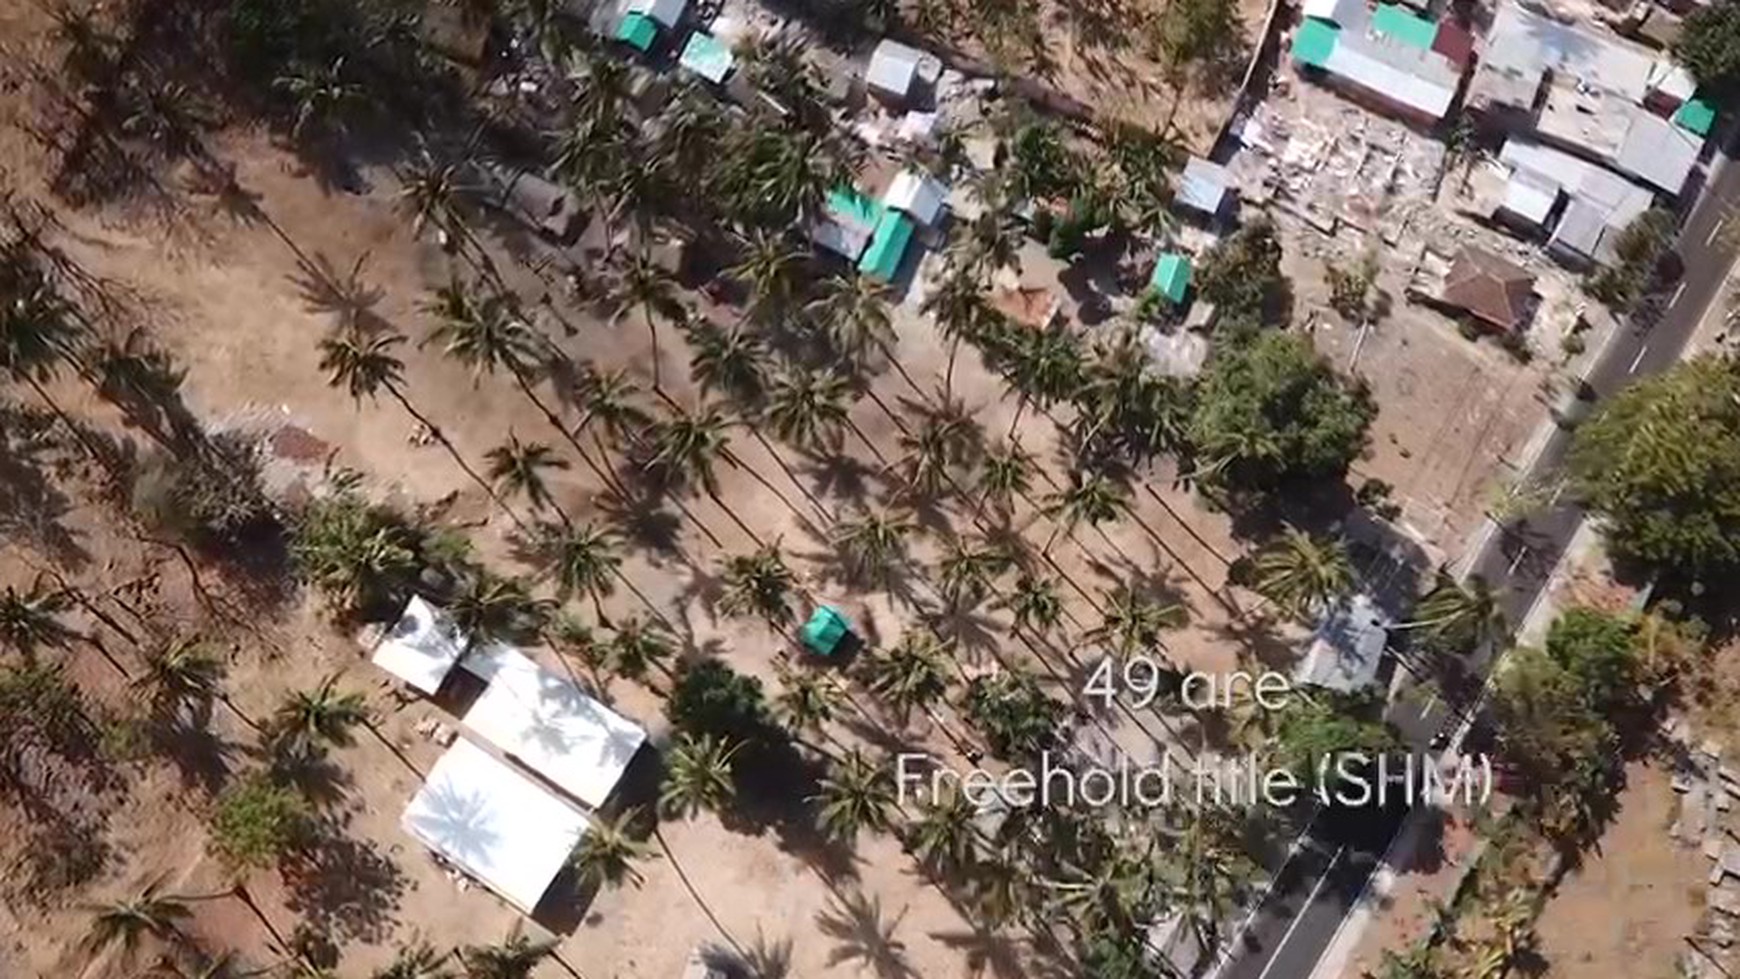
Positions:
(668, 13)
(1523, 46)
(893, 69)
(1658, 152)
(422, 647)
(548, 724)
(917, 195)
(1530, 197)
(1601, 203)
(1348, 647)
(1342, 13)
(496, 824)
(1423, 83)
(1204, 186)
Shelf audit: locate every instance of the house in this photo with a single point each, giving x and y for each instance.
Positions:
(1600, 97)
(1386, 60)
(1029, 306)
(1340, 13)
(889, 241)
(1598, 203)
(1491, 289)
(1204, 187)
(707, 56)
(545, 207)
(1171, 277)
(893, 70)
(848, 220)
(1348, 646)
(917, 195)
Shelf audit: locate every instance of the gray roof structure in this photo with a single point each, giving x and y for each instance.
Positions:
(1204, 186)
(1522, 46)
(1657, 151)
(1601, 202)
(893, 67)
(1348, 647)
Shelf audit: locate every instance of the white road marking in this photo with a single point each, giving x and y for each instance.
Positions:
(1637, 359)
(1310, 899)
(1677, 294)
(1715, 230)
(1520, 554)
(1227, 948)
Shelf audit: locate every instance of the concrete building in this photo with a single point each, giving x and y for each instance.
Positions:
(1348, 647)
(1386, 59)
(1593, 204)
(1205, 187)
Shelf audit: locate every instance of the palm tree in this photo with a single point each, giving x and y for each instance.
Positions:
(487, 606)
(807, 701)
(1045, 367)
(914, 673)
(698, 776)
(1034, 604)
(582, 560)
(855, 795)
(607, 402)
(418, 960)
(1450, 609)
(1090, 498)
(39, 331)
(182, 675)
(1302, 574)
(944, 836)
(129, 921)
(1132, 622)
(731, 361)
(759, 583)
(309, 720)
(569, 636)
(769, 268)
(30, 619)
(873, 545)
(512, 959)
(518, 468)
(808, 408)
(607, 854)
(323, 95)
(638, 645)
(683, 449)
(433, 192)
(648, 287)
(366, 366)
(1005, 473)
(483, 334)
(968, 570)
(853, 312)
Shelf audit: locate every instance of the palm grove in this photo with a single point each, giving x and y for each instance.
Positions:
(1266, 418)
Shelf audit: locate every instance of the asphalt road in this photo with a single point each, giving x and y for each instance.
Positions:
(1327, 873)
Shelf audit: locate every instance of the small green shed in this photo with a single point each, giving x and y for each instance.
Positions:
(1696, 116)
(825, 630)
(638, 31)
(1171, 277)
(887, 246)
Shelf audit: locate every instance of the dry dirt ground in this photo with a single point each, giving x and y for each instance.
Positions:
(229, 300)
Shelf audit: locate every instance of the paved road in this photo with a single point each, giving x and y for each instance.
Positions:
(1326, 875)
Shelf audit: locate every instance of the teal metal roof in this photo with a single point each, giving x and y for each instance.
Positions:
(707, 56)
(822, 633)
(1404, 25)
(638, 31)
(1315, 42)
(887, 246)
(1696, 116)
(1171, 276)
(847, 204)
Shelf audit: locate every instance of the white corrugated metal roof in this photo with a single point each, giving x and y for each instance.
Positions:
(1343, 13)
(845, 240)
(1659, 152)
(1348, 647)
(1530, 196)
(666, 12)
(1580, 228)
(917, 195)
(1414, 78)
(892, 68)
(1525, 43)
(1203, 185)
(1672, 80)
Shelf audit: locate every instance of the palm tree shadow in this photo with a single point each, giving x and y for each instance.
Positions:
(856, 923)
(342, 294)
(200, 756)
(1155, 579)
(841, 477)
(343, 886)
(704, 587)
(644, 521)
(1259, 637)
(31, 506)
(987, 950)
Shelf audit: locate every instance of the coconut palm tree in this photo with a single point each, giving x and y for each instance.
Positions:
(322, 96)
(1302, 574)
(1450, 609)
(732, 361)
(489, 607)
(646, 286)
(968, 570)
(944, 837)
(638, 645)
(1132, 622)
(852, 311)
(855, 795)
(808, 408)
(1045, 366)
(1005, 473)
(518, 469)
(183, 675)
(365, 366)
(307, 721)
(759, 583)
(129, 921)
(434, 193)
(582, 560)
(418, 960)
(1034, 605)
(873, 545)
(807, 701)
(607, 403)
(698, 776)
(607, 854)
(1091, 498)
(512, 959)
(911, 674)
(769, 267)
(571, 637)
(946, 438)
(484, 333)
(30, 619)
(39, 332)
(684, 447)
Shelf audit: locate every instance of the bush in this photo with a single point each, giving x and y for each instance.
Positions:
(257, 823)
(1017, 718)
(710, 698)
(1709, 46)
(210, 494)
(1636, 256)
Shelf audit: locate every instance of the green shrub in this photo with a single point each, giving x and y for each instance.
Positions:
(257, 823)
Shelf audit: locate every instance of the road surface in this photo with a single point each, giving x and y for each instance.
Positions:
(1328, 872)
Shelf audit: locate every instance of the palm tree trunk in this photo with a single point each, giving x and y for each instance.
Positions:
(789, 474)
(452, 450)
(652, 329)
(689, 885)
(84, 439)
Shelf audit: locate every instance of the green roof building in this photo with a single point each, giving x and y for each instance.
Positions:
(638, 31)
(846, 203)
(887, 246)
(1405, 26)
(1171, 277)
(1315, 42)
(825, 630)
(1696, 116)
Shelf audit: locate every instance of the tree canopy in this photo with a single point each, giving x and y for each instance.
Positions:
(1662, 464)
(1242, 276)
(1709, 46)
(1269, 410)
(1636, 254)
